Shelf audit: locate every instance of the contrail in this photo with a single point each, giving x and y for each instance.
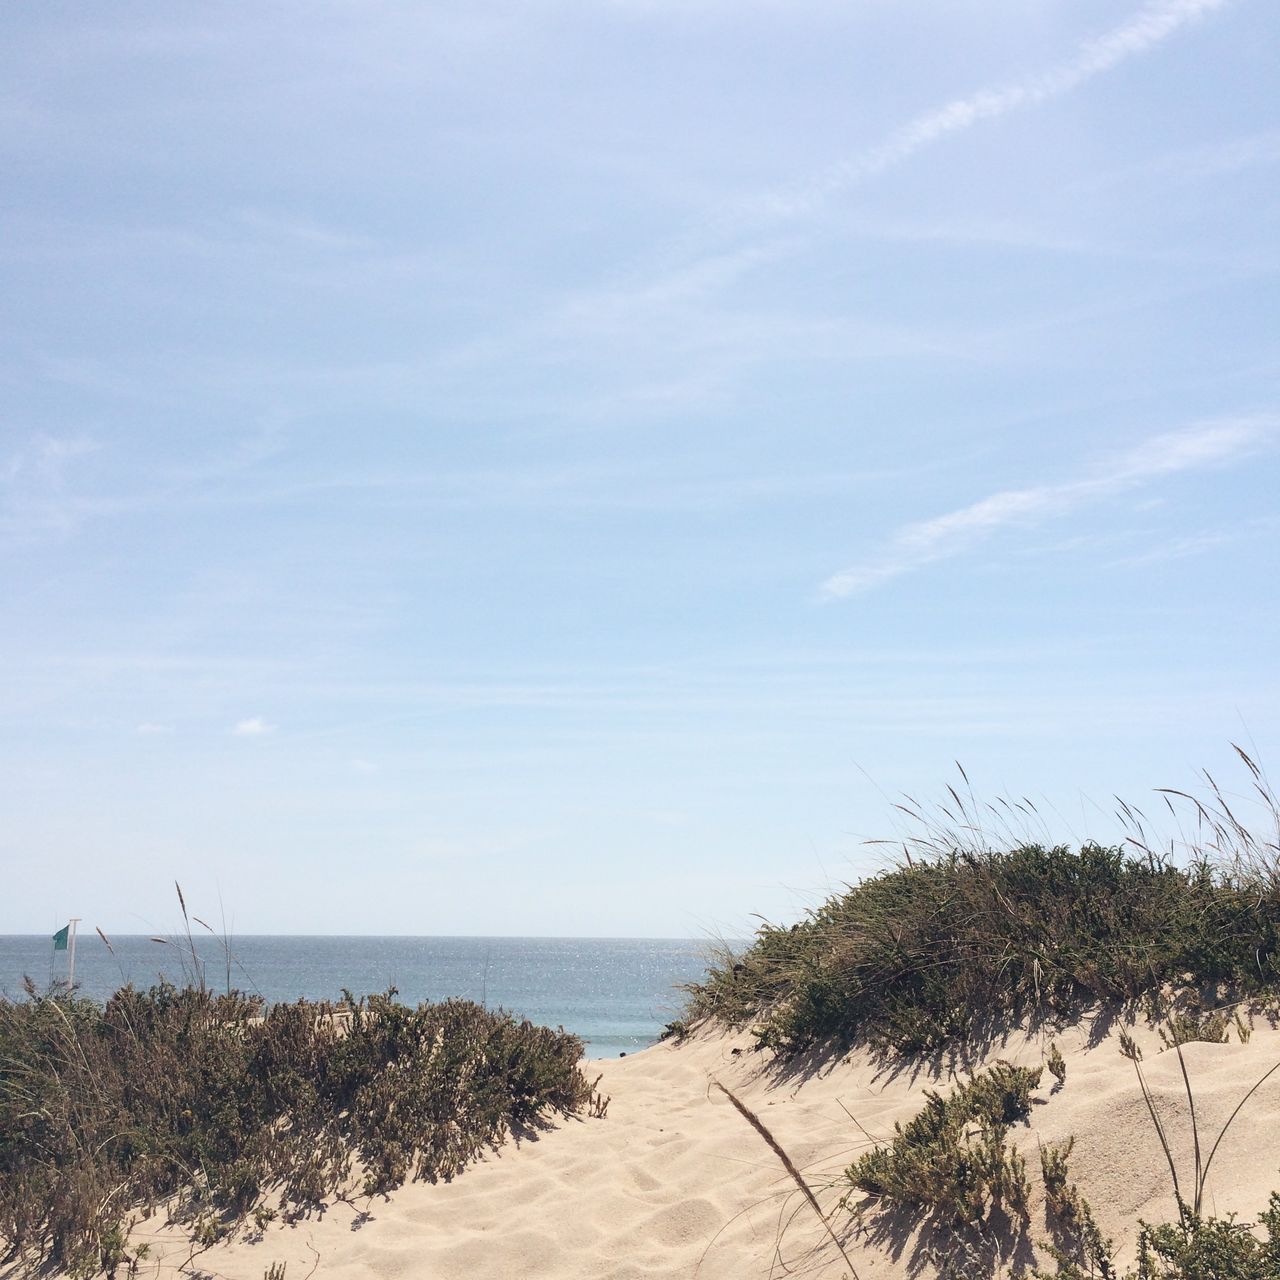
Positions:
(1152, 26)
(927, 542)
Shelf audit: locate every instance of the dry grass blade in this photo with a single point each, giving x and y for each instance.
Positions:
(788, 1164)
(1195, 1128)
(1155, 1122)
(1231, 1118)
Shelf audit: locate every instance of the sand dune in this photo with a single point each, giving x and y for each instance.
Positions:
(675, 1183)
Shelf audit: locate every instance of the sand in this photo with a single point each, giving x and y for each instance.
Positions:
(675, 1183)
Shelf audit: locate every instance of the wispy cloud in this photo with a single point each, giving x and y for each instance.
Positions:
(1189, 164)
(1154, 24)
(1175, 549)
(149, 728)
(943, 537)
(673, 297)
(35, 489)
(304, 231)
(254, 727)
(47, 458)
(1197, 544)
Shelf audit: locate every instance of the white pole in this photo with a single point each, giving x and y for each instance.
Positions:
(71, 956)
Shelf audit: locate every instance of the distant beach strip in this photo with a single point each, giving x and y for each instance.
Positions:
(615, 994)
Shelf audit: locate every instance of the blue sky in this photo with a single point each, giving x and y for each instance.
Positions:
(565, 468)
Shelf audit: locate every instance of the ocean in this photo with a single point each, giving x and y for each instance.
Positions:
(615, 993)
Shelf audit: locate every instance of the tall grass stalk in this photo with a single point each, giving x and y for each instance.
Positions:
(1131, 1051)
(789, 1165)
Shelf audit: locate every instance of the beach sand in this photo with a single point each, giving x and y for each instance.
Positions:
(674, 1182)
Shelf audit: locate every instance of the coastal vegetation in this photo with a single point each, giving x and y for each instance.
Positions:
(954, 1170)
(226, 1115)
(961, 937)
(952, 1160)
(964, 941)
(223, 1113)
(935, 953)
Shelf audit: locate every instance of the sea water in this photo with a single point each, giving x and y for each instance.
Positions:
(615, 993)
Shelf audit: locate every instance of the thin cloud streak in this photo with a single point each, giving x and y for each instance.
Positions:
(691, 275)
(1149, 28)
(243, 480)
(1177, 549)
(254, 727)
(1190, 164)
(1196, 544)
(941, 538)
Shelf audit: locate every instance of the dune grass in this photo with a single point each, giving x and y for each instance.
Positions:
(924, 955)
(966, 936)
(226, 1114)
(960, 936)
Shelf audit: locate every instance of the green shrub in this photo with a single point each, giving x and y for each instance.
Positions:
(1188, 1025)
(1196, 1248)
(1078, 1246)
(1193, 1248)
(951, 1160)
(179, 1096)
(930, 953)
(1057, 1065)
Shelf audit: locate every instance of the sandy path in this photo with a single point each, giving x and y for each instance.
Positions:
(674, 1183)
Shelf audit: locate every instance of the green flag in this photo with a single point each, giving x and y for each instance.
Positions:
(60, 938)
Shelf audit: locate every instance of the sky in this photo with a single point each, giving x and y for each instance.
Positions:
(563, 468)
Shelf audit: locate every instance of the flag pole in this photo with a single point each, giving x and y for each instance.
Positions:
(71, 956)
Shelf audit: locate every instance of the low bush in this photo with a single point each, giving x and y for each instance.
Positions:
(1193, 1248)
(1206, 1248)
(921, 956)
(207, 1104)
(951, 1161)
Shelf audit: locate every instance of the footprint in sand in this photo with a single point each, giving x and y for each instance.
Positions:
(684, 1223)
(666, 1139)
(645, 1181)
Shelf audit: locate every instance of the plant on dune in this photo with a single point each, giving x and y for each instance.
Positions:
(961, 936)
(1195, 1247)
(961, 940)
(202, 1103)
(951, 1166)
(913, 958)
(1186, 1027)
(951, 1161)
(1078, 1245)
(1057, 1065)
(1130, 1049)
